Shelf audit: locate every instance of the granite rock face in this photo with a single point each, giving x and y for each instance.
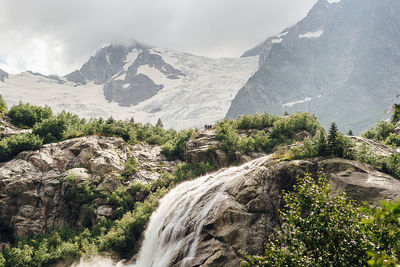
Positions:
(33, 186)
(205, 147)
(249, 212)
(36, 186)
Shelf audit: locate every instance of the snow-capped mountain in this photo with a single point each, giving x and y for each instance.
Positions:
(341, 62)
(139, 81)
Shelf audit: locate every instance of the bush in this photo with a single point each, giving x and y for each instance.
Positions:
(264, 132)
(11, 146)
(26, 115)
(175, 148)
(381, 132)
(131, 166)
(317, 230)
(51, 130)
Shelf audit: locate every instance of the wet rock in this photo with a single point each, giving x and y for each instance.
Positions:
(248, 213)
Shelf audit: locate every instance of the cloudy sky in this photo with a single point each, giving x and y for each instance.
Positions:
(58, 36)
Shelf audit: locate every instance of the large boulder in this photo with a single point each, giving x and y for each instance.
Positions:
(248, 211)
(205, 147)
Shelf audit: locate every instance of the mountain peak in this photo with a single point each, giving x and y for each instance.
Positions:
(340, 62)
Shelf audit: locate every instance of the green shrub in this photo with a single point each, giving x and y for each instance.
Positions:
(317, 230)
(381, 132)
(11, 146)
(175, 148)
(50, 130)
(393, 140)
(26, 115)
(131, 167)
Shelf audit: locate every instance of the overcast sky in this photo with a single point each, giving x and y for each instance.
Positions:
(58, 36)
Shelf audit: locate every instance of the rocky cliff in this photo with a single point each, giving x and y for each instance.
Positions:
(37, 187)
(341, 62)
(248, 212)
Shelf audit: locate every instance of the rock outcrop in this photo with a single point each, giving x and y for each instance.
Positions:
(375, 146)
(205, 147)
(8, 129)
(33, 188)
(248, 213)
(151, 163)
(36, 186)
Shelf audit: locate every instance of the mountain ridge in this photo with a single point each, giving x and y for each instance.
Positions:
(340, 62)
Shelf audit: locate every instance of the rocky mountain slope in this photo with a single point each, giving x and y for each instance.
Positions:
(138, 81)
(341, 62)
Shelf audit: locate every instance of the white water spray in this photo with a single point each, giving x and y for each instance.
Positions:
(176, 225)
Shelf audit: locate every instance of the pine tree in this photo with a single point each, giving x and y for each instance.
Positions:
(159, 123)
(333, 139)
(350, 133)
(3, 105)
(322, 145)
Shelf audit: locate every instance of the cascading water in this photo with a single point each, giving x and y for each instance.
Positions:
(176, 225)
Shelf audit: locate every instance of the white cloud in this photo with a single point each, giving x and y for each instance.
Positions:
(58, 36)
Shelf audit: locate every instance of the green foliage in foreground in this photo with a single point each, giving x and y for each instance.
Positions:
(133, 206)
(319, 229)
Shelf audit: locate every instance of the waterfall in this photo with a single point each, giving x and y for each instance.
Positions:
(176, 225)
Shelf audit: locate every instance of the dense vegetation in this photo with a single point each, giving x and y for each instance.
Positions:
(263, 132)
(48, 128)
(27, 115)
(321, 230)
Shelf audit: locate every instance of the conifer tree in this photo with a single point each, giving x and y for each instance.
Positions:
(322, 145)
(3, 105)
(350, 133)
(333, 139)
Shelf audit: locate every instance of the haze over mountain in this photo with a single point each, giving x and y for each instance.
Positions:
(139, 81)
(341, 62)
